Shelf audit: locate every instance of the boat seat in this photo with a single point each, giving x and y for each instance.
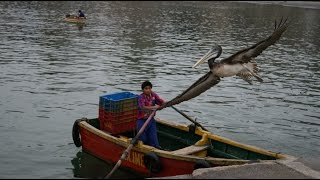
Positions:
(190, 149)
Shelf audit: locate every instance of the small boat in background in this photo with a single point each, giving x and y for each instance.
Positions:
(75, 19)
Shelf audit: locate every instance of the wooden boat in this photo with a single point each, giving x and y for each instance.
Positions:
(75, 19)
(184, 149)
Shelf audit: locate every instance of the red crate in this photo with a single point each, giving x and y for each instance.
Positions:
(118, 122)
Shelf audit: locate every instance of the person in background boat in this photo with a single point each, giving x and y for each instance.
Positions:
(81, 14)
(148, 101)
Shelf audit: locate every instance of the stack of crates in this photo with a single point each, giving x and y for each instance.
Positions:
(118, 112)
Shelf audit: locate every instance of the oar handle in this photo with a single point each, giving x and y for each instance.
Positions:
(189, 118)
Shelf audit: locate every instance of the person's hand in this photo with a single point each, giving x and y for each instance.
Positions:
(156, 107)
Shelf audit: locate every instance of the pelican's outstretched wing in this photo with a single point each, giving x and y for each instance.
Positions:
(201, 85)
(247, 54)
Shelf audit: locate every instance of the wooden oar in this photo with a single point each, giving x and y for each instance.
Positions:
(189, 118)
(133, 141)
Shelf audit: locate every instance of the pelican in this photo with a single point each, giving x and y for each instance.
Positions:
(241, 64)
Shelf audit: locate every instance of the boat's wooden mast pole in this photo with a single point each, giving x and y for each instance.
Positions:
(133, 141)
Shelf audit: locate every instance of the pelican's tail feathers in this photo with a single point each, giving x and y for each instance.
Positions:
(248, 80)
(254, 70)
(257, 77)
(250, 69)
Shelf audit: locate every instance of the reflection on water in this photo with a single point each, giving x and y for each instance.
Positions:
(52, 73)
(88, 166)
(80, 26)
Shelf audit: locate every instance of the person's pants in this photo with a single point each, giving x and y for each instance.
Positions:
(149, 135)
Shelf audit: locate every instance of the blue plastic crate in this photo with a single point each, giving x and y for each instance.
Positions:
(119, 102)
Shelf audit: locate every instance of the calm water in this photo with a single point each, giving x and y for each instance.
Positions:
(53, 73)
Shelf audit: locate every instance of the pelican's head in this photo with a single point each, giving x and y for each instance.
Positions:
(213, 53)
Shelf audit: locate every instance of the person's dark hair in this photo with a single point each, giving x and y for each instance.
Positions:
(146, 83)
(79, 10)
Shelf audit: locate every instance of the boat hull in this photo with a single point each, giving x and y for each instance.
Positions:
(110, 147)
(110, 151)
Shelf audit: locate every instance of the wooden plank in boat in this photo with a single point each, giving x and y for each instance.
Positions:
(190, 149)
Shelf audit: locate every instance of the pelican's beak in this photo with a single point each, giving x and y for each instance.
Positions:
(210, 54)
